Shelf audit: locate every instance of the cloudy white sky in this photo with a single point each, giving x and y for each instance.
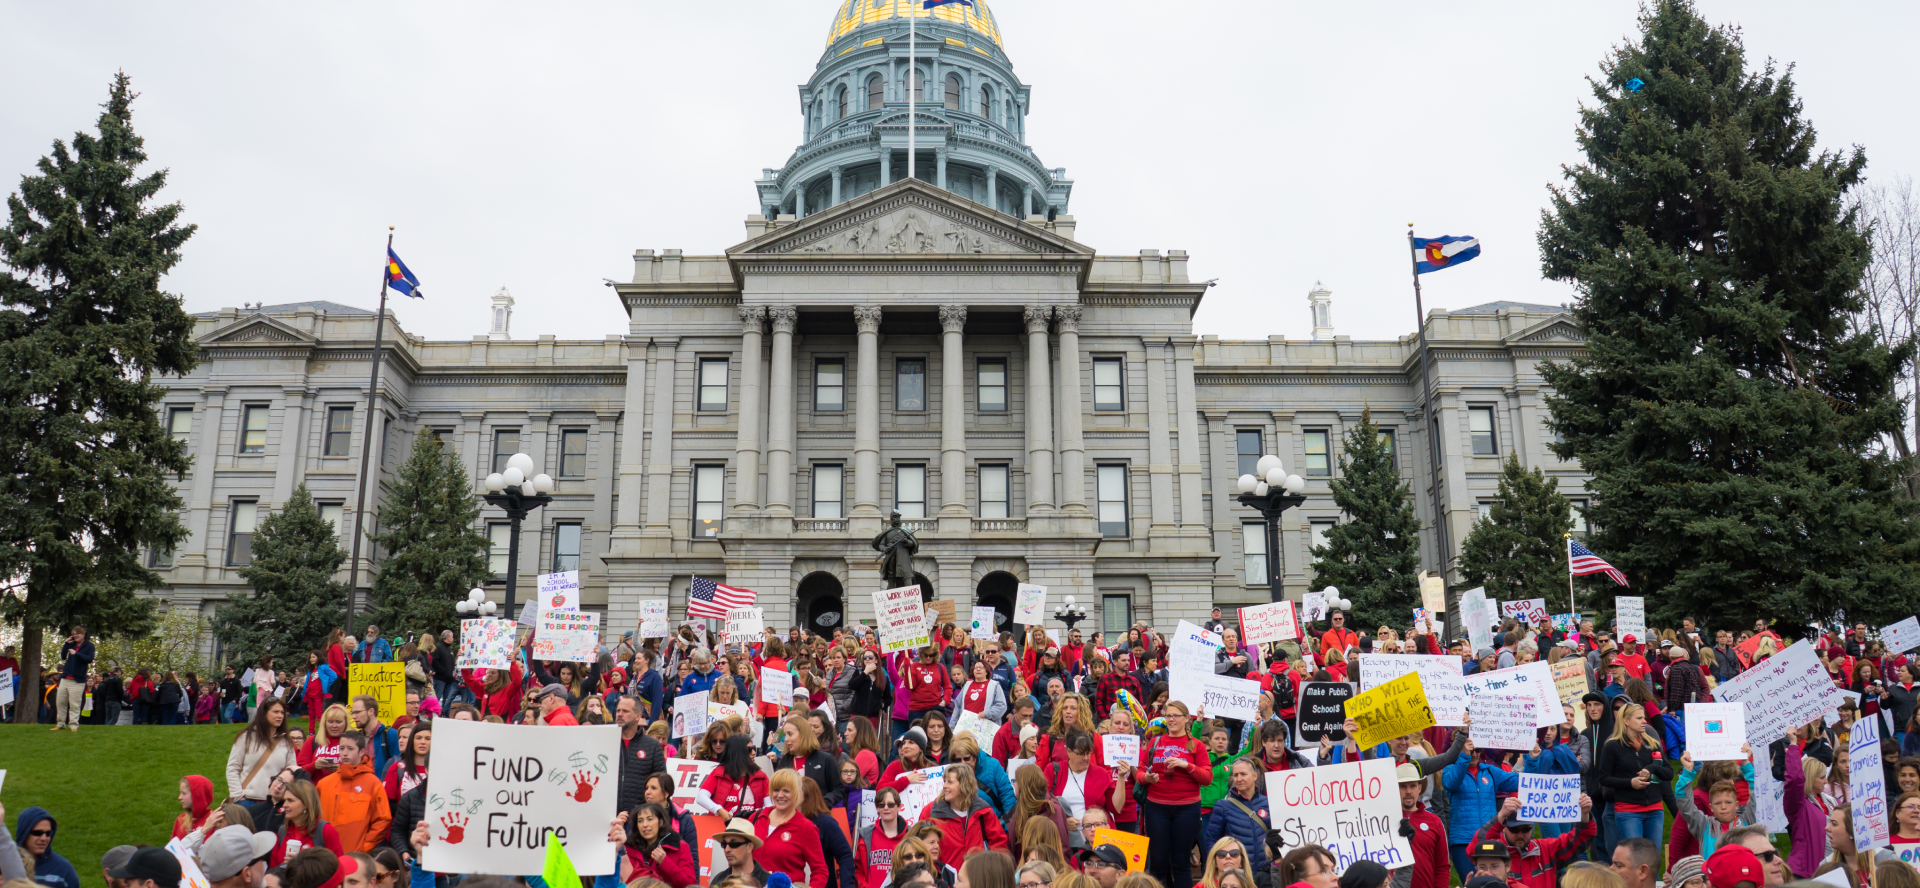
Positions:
(536, 146)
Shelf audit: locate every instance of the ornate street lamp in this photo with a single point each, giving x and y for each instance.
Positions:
(1270, 493)
(1070, 613)
(518, 491)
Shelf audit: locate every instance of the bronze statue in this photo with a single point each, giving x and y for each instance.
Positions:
(896, 546)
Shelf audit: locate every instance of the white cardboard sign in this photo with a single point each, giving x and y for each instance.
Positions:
(1227, 697)
(983, 622)
(1529, 612)
(1716, 731)
(1314, 604)
(745, 623)
(690, 715)
(1769, 795)
(567, 635)
(1504, 721)
(1867, 786)
(1785, 690)
(1630, 612)
(1440, 677)
(1264, 623)
(1120, 749)
(687, 776)
(776, 686)
(1533, 679)
(498, 789)
(653, 619)
(902, 618)
(1549, 798)
(1901, 637)
(1029, 604)
(1351, 809)
(560, 591)
(1476, 617)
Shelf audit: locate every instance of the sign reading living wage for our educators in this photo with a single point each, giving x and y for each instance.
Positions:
(1265, 623)
(1029, 604)
(1440, 680)
(385, 682)
(1788, 689)
(498, 789)
(1352, 810)
(1549, 798)
(901, 616)
(1393, 709)
(571, 636)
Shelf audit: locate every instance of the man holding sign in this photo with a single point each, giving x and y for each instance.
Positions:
(1507, 850)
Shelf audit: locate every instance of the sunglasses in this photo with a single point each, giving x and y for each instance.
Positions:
(1768, 856)
(736, 843)
(40, 832)
(1227, 852)
(909, 858)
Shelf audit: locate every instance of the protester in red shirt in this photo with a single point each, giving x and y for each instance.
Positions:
(552, 701)
(1338, 637)
(1072, 652)
(791, 841)
(1177, 768)
(968, 824)
(1429, 840)
(738, 787)
(873, 855)
(929, 687)
(1629, 656)
(1535, 862)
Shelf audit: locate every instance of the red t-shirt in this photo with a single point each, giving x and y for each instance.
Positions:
(1177, 786)
(975, 697)
(1637, 666)
(931, 686)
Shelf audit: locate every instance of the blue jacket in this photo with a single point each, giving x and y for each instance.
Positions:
(1558, 760)
(49, 869)
(994, 785)
(1228, 820)
(1471, 796)
(649, 690)
(75, 661)
(375, 651)
(697, 683)
(1004, 675)
(385, 746)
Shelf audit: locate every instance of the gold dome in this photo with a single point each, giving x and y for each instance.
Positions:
(854, 13)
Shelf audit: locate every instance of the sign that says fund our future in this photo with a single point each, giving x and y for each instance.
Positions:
(498, 789)
(1352, 810)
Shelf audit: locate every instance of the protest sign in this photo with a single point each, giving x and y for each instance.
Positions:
(917, 796)
(745, 624)
(972, 723)
(983, 620)
(1269, 622)
(776, 686)
(1570, 685)
(530, 611)
(190, 874)
(1029, 604)
(485, 643)
(560, 591)
(572, 636)
(1323, 710)
(1566, 622)
(1130, 844)
(1790, 688)
(902, 617)
(1440, 680)
(1529, 611)
(1716, 731)
(1866, 785)
(1549, 798)
(690, 715)
(1227, 697)
(1118, 749)
(1476, 617)
(385, 682)
(1769, 795)
(717, 710)
(1190, 658)
(707, 853)
(498, 789)
(6, 687)
(1749, 651)
(1901, 637)
(1314, 606)
(687, 776)
(1503, 720)
(939, 613)
(1533, 679)
(1393, 709)
(1425, 621)
(1351, 809)
(1433, 593)
(653, 619)
(1841, 698)
(1630, 616)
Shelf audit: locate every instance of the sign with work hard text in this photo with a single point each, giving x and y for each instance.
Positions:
(1393, 709)
(498, 789)
(572, 636)
(1352, 810)
(901, 616)
(1265, 623)
(385, 682)
(1440, 680)
(1549, 798)
(1323, 710)
(1788, 689)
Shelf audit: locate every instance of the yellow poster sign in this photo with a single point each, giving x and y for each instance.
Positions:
(385, 682)
(1135, 846)
(1570, 684)
(1390, 710)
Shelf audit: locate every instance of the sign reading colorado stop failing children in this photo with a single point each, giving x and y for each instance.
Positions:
(1352, 810)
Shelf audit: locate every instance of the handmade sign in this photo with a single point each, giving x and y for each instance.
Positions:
(1433, 593)
(690, 715)
(745, 624)
(1269, 622)
(971, 723)
(1566, 622)
(1748, 651)
(1503, 720)
(1476, 617)
(1769, 795)
(1549, 798)
(191, 875)
(1130, 844)
(1190, 658)
(902, 616)
(1866, 785)
(1630, 616)
(939, 613)
(1533, 679)
(917, 796)
(717, 711)
(385, 682)
(653, 619)
(1440, 681)
(1841, 698)
(1393, 709)
(569, 635)
(1029, 604)
(1902, 636)
(1351, 809)
(1790, 688)
(776, 686)
(1570, 685)
(983, 621)
(1716, 731)
(1529, 611)
(1314, 606)
(498, 789)
(6, 687)
(530, 611)
(560, 591)
(687, 776)
(1425, 621)
(1323, 711)
(1227, 697)
(1118, 749)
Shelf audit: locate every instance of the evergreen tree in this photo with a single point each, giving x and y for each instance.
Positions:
(1520, 551)
(1733, 425)
(296, 602)
(434, 554)
(1373, 557)
(86, 467)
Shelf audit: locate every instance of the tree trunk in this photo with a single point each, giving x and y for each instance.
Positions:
(26, 705)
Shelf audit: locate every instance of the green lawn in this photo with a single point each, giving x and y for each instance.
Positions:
(108, 785)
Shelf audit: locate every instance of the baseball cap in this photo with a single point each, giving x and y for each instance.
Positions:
(1629, 639)
(117, 856)
(1489, 848)
(228, 851)
(1732, 864)
(1108, 854)
(1485, 882)
(552, 690)
(157, 864)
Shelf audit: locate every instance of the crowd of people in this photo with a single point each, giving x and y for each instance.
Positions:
(1010, 725)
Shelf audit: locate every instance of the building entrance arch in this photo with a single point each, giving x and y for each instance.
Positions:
(822, 603)
(997, 590)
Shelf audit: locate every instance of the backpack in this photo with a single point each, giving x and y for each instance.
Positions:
(1676, 731)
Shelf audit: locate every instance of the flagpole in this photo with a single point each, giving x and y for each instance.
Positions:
(1571, 607)
(913, 72)
(366, 437)
(1433, 418)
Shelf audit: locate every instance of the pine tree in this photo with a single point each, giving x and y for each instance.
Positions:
(1519, 551)
(87, 467)
(1372, 557)
(1734, 427)
(434, 554)
(296, 602)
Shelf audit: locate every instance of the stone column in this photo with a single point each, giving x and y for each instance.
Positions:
(606, 425)
(993, 180)
(836, 184)
(800, 201)
(1039, 412)
(633, 460)
(1026, 199)
(1159, 449)
(866, 414)
(940, 164)
(291, 447)
(1187, 428)
(953, 413)
(660, 460)
(1073, 451)
(886, 167)
(780, 413)
(746, 447)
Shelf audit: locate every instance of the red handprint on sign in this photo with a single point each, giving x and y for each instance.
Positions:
(583, 784)
(456, 825)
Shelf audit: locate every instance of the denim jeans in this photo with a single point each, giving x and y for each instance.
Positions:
(1462, 864)
(1172, 831)
(1642, 825)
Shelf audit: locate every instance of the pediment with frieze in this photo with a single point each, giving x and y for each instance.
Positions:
(1558, 329)
(257, 330)
(911, 218)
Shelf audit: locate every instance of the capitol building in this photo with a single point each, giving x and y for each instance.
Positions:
(936, 342)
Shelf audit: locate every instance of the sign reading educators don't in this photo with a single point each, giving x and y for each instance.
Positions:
(386, 683)
(498, 789)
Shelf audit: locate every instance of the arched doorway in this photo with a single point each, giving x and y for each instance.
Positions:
(996, 590)
(926, 587)
(821, 603)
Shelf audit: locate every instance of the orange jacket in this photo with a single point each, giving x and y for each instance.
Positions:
(355, 802)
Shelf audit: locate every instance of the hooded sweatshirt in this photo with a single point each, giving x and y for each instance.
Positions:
(200, 800)
(355, 803)
(49, 869)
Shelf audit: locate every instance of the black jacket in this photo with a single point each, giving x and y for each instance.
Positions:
(838, 852)
(871, 698)
(443, 660)
(406, 812)
(230, 691)
(825, 771)
(640, 758)
(168, 694)
(110, 690)
(1619, 763)
(76, 660)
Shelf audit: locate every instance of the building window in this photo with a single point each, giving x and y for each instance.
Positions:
(443, 438)
(994, 500)
(241, 520)
(506, 443)
(1247, 445)
(1387, 441)
(253, 428)
(1319, 453)
(1485, 510)
(1108, 392)
(339, 432)
(159, 559)
(991, 374)
(910, 385)
(566, 546)
(910, 491)
(386, 440)
(713, 384)
(1116, 614)
(986, 101)
(1317, 533)
(919, 87)
(1579, 517)
(709, 500)
(180, 423)
(828, 490)
(573, 454)
(829, 386)
(841, 101)
(1253, 546)
(953, 92)
(876, 93)
(1112, 485)
(1480, 426)
(499, 541)
(331, 514)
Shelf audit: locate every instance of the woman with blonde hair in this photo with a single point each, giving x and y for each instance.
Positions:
(967, 823)
(321, 755)
(1072, 713)
(1039, 840)
(790, 841)
(1226, 854)
(1037, 874)
(1587, 874)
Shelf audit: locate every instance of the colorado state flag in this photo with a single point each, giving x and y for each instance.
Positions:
(1435, 253)
(932, 3)
(400, 277)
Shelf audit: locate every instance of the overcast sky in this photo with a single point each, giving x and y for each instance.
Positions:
(536, 146)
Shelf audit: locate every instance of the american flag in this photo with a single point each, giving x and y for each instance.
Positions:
(1581, 561)
(706, 598)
